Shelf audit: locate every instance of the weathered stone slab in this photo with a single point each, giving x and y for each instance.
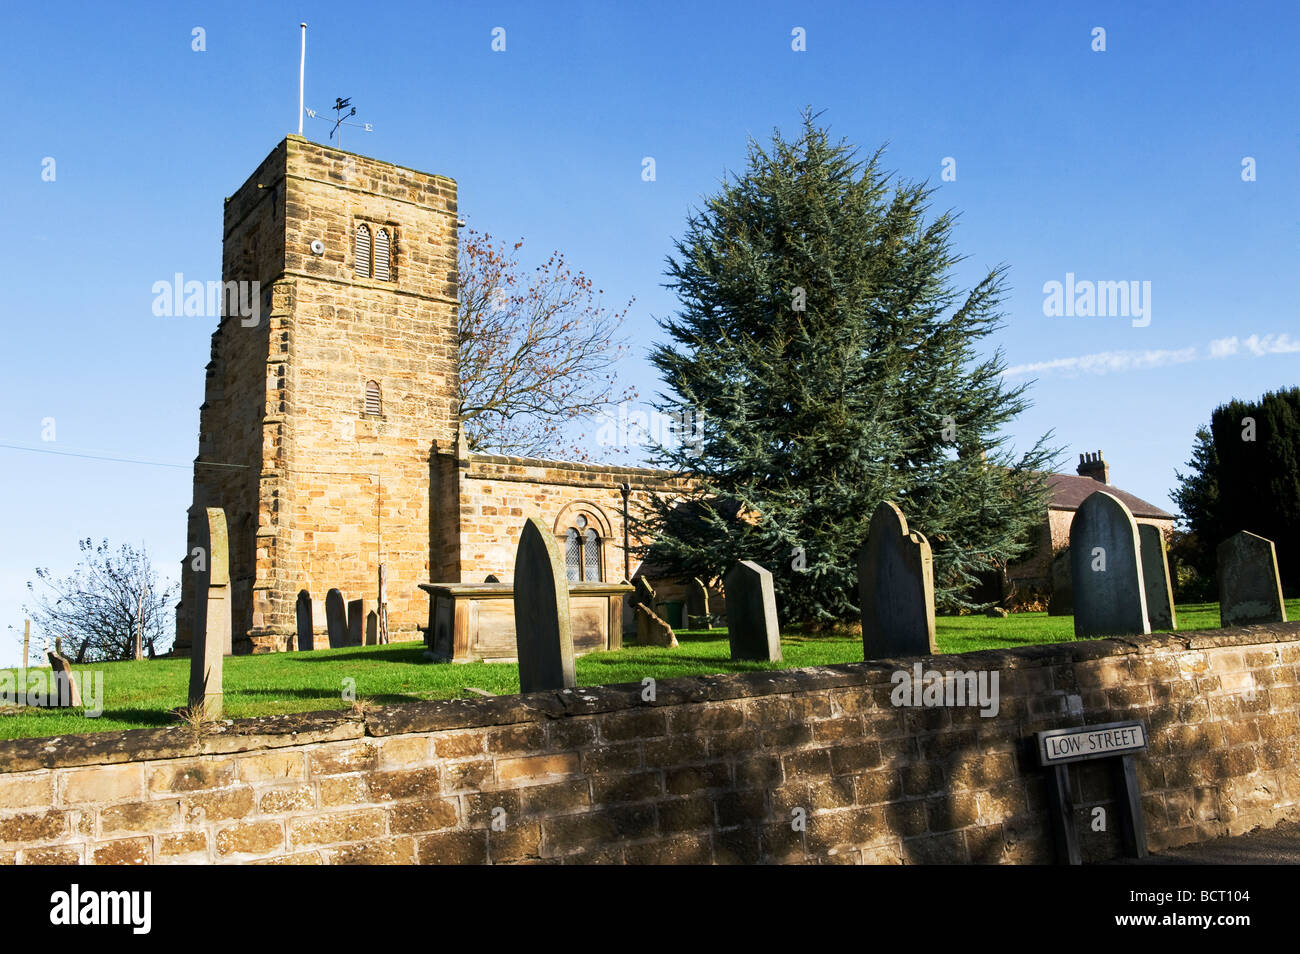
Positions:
(306, 633)
(1106, 569)
(357, 622)
(697, 604)
(336, 619)
(895, 588)
(543, 629)
(644, 593)
(64, 691)
(753, 630)
(212, 614)
(1250, 590)
(372, 628)
(1155, 577)
(1062, 599)
(651, 630)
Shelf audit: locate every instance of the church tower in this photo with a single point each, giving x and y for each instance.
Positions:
(322, 409)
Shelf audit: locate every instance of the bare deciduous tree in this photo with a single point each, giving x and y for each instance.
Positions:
(536, 351)
(112, 599)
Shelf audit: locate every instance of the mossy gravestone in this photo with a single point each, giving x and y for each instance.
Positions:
(336, 619)
(1106, 569)
(306, 635)
(1250, 590)
(751, 613)
(1155, 578)
(896, 588)
(212, 621)
(543, 630)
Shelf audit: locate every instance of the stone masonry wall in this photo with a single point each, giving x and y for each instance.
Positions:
(712, 771)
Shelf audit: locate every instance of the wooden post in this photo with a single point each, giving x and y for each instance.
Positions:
(383, 605)
(27, 638)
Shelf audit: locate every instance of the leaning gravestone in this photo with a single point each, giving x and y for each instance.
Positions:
(697, 604)
(212, 619)
(543, 629)
(1155, 578)
(1250, 590)
(751, 613)
(653, 631)
(896, 588)
(64, 691)
(644, 594)
(1061, 602)
(1106, 569)
(336, 619)
(306, 635)
(357, 622)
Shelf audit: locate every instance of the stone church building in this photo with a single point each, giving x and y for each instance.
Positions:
(329, 426)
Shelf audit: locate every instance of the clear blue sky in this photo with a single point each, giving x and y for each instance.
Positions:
(1123, 165)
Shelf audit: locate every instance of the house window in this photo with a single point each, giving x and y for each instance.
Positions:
(374, 404)
(362, 265)
(582, 553)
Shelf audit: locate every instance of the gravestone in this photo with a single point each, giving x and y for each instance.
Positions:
(1062, 599)
(64, 691)
(1250, 590)
(357, 622)
(543, 629)
(896, 588)
(212, 614)
(1106, 569)
(751, 613)
(651, 630)
(697, 604)
(491, 578)
(1155, 578)
(644, 594)
(336, 619)
(306, 634)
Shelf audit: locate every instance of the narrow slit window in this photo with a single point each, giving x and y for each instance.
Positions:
(374, 404)
(362, 265)
(381, 256)
(591, 556)
(573, 555)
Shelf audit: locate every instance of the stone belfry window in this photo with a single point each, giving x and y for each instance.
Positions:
(362, 264)
(582, 552)
(374, 402)
(381, 256)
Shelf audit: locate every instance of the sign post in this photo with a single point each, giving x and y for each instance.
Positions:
(1057, 748)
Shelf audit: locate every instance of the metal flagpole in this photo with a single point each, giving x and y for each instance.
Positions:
(302, 69)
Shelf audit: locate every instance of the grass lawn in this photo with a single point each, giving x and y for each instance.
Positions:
(141, 694)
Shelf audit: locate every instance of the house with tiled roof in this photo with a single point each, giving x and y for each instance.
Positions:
(1030, 582)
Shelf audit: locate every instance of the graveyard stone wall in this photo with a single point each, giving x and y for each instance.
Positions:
(715, 769)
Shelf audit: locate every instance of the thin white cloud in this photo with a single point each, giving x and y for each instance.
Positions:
(1116, 362)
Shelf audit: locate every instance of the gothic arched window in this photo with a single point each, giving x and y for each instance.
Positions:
(582, 563)
(362, 264)
(381, 256)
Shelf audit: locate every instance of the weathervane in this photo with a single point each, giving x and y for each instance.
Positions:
(340, 103)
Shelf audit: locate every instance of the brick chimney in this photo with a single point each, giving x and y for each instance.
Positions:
(1094, 466)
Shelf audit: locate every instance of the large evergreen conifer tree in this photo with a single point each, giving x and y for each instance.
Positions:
(821, 362)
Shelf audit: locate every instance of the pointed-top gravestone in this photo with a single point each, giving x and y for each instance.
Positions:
(212, 619)
(1250, 590)
(896, 588)
(306, 635)
(1106, 569)
(543, 629)
(1155, 578)
(751, 613)
(336, 619)
(491, 578)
